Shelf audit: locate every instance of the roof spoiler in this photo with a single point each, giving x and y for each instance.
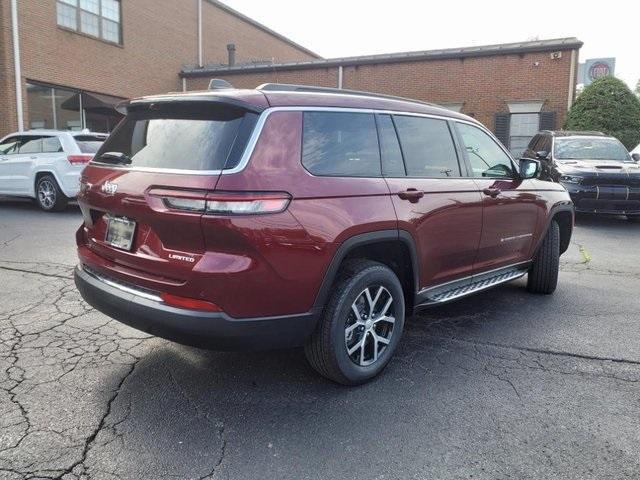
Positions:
(181, 99)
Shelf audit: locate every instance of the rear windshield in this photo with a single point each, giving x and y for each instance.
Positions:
(589, 148)
(201, 137)
(89, 143)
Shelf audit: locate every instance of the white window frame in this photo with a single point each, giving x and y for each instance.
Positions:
(76, 4)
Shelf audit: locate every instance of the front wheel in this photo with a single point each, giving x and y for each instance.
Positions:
(49, 196)
(361, 325)
(543, 275)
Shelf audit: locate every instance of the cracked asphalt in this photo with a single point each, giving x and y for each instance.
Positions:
(496, 386)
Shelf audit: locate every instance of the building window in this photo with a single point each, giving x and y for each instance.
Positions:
(523, 127)
(98, 18)
(46, 109)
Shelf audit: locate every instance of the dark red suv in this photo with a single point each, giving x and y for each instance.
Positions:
(288, 216)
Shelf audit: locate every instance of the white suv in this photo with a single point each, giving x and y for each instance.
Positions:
(46, 164)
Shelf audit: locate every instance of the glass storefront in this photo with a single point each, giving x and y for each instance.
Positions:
(67, 109)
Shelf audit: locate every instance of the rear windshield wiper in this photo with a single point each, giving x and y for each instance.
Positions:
(115, 157)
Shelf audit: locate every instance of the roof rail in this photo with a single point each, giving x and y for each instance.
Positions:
(287, 87)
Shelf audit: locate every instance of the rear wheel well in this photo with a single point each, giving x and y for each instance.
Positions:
(395, 255)
(565, 222)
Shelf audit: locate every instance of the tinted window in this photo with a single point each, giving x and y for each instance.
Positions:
(589, 148)
(485, 155)
(179, 137)
(427, 146)
(51, 145)
(31, 145)
(336, 143)
(392, 163)
(9, 145)
(89, 143)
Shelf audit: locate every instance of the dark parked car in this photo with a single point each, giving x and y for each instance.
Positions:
(288, 216)
(597, 171)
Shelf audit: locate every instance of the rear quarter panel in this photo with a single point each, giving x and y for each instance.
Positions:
(292, 251)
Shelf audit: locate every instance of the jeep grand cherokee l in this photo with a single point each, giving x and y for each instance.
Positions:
(597, 171)
(290, 216)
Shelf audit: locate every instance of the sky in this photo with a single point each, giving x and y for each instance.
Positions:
(339, 28)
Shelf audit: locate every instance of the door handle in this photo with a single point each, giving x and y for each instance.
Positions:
(411, 194)
(491, 192)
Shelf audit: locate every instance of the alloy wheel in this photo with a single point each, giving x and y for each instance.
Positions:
(47, 194)
(369, 325)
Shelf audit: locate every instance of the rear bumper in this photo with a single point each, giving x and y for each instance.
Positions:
(616, 200)
(190, 327)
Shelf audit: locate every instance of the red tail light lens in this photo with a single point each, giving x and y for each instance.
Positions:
(246, 203)
(223, 203)
(189, 303)
(79, 159)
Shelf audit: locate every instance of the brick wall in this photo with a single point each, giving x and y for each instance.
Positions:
(483, 84)
(159, 37)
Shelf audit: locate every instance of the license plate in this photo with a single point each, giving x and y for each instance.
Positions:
(120, 232)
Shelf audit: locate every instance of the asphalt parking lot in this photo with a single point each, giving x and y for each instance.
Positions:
(500, 385)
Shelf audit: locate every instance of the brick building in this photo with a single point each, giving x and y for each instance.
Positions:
(78, 58)
(515, 89)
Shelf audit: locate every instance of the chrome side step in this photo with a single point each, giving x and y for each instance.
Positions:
(469, 286)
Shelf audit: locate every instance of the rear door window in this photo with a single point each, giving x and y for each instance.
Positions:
(427, 146)
(30, 145)
(199, 137)
(340, 144)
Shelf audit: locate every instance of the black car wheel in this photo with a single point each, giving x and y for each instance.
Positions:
(543, 274)
(361, 324)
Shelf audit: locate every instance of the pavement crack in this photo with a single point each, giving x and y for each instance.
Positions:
(542, 351)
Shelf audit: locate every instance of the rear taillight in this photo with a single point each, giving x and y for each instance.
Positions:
(79, 159)
(223, 203)
(226, 203)
(189, 303)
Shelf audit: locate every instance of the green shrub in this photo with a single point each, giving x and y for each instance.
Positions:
(609, 106)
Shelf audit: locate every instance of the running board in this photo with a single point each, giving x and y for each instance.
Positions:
(468, 286)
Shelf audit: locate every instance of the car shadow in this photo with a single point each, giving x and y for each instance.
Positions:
(604, 221)
(262, 404)
(28, 204)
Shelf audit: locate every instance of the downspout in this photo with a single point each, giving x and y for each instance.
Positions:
(340, 77)
(16, 63)
(200, 60)
(572, 79)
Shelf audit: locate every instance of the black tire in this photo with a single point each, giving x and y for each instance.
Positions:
(49, 197)
(543, 274)
(326, 350)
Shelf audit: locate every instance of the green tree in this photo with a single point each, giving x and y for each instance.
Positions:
(609, 106)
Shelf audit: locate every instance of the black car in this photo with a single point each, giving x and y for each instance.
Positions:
(597, 171)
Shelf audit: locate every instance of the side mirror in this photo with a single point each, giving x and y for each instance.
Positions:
(542, 155)
(636, 157)
(529, 168)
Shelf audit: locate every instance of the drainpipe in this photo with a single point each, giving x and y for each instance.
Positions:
(572, 79)
(231, 51)
(200, 61)
(16, 63)
(340, 77)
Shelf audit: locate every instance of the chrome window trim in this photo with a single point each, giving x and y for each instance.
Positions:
(257, 132)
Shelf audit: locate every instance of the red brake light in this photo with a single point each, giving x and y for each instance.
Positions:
(223, 203)
(189, 303)
(247, 203)
(79, 159)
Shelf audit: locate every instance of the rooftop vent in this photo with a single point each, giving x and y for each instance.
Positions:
(231, 50)
(219, 84)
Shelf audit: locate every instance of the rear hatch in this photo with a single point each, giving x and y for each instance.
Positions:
(141, 196)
